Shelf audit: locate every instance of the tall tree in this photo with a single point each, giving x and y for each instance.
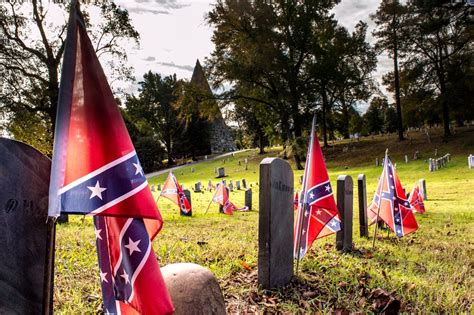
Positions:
(155, 105)
(439, 39)
(389, 20)
(31, 53)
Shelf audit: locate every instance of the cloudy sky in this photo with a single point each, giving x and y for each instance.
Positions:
(174, 33)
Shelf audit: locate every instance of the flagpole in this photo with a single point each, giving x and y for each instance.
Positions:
(215, 191)
(380, 201)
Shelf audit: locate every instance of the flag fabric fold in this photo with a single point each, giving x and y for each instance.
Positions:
(317, 214)
(416, 200)
(390, 203)
(173, 191)
(221, 197)
(96, 171)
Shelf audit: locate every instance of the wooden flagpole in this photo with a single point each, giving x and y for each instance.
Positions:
(215, 192)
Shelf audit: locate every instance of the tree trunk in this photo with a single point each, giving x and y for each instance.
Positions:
(444, 100)
(260, 143)
(397, 91)
(325, 104)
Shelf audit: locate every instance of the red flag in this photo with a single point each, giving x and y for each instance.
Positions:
(416, 200)
(317, 215)
(391, 204)
(173, 191)
(221, 197)
(295, 202)
(96, 171)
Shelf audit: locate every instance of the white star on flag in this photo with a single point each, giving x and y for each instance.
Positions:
(103, 276)
(318, 212)
(125, 276)
(333, 223)
(132, 246)
(302, 232)
(311, 195)
(97, 233)
(328, 188)
(96, 190)
(398, 231)
(139, 169)
(306, 213)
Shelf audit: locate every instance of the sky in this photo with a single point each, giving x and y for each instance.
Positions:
(174, 34)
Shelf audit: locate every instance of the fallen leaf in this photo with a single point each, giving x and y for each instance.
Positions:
(245, 265)
(310, 294)
(343, 284)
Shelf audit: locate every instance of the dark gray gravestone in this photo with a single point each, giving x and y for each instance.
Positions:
(362, 191)
(244, 183)
(158, 187)
(26, 236)
(423, 189)
(300, 180)
(344, 205)
(248, 198)
(275, 224)
(237, 184)
(197, 187)
(231, 186)
(220, 172)
(152, 187)
(187, 193)
(221, 208)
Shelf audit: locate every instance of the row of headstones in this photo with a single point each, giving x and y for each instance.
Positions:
(198, 186)
(470, 161)
(276, 219)
(379, 162)
(436, 164)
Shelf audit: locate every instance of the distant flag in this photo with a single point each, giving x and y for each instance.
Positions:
(96, 171)
(416, 200)
(390, 203)
(173, 191)
(295, 202)
(221, 197)
(317, 215)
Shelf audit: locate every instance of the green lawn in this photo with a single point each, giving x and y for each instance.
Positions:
(428, 271)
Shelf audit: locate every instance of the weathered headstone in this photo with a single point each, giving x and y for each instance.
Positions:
(423, 189)
(187, 193)
(246, 160)
(205, 157)
(239, 163)
(415, 155)
(26, 235)
(344, 205)
(220, 172)
(192, 170)
(300, 180)
(436, 152)
(158, 187)
(406, 158)
(231, 185)
(362, 194)
(193, 289)
(153, 188)
(209, 185)
(244, 183)
(197, 187)
(221, 208)
(470, 161)
(430, 165)
(237, 184)
(248, 198)
(275, 225)
(377, 162)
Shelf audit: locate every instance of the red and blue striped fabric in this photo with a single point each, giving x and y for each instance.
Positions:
(317, 214)
(96, 171)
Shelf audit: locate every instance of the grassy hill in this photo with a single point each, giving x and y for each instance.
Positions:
(428, 271)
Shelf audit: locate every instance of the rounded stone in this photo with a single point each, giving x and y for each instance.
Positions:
(193, 289)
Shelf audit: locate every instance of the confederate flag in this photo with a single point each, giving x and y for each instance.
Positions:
(416, 200)
(173, 191)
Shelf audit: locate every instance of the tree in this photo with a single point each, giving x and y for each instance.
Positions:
(269, 45)
(439, 39)
(156, 105)
(31, 54)
(389, 19)
(374, 117)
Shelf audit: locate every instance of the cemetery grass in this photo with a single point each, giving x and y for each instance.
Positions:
(428, 271)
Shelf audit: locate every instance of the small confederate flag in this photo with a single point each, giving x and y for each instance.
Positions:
(95, 170)
(295, 202)
(390, 203)
(222, 198)
(416, 200)
(317, 215)
(173, 191)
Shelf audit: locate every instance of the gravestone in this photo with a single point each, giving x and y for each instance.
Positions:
(158, 187)
(344, 205)
(470, 161)
(197, 187)
(192, 170)
(423, 189)
(221, 208)
(209, 185)
(430, 165)
(244, 183)
(26, 235)
(436, 152)
(362, 194)
(246, 167)
(231, 185)
(406, 158)
(187, 193)
(237, 184)
(377, 162)
(153, 188)
(246, 160)
(239, 163)
(193, 289)
(275, 224)
(248, 198)
(301, 180)
(205, 157)
(220, 172)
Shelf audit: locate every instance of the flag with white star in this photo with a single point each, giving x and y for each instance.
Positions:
(416, 200)
(96, 171)
(391, 204)
(317, 214)
(173, 191)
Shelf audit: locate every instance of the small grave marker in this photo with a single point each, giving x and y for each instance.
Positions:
(275, 224)
(153, 188)
(362, 194)
(220, 172)
(244, 183)
(300, 180)
(344, 205)
(423, 189)
(192, 170)
(406, 158)
(237, 184)
(248, 198)
(158, 187)
(231, 185)
(197, 187)
(377, 162)
(470, 161)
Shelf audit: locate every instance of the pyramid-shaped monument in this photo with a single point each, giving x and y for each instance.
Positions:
(220, 138)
